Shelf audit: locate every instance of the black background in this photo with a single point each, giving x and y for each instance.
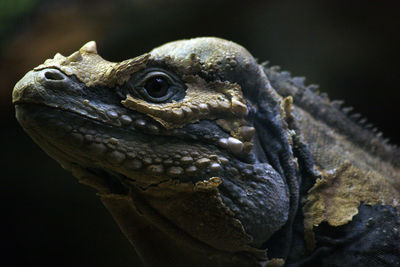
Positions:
(349, 48)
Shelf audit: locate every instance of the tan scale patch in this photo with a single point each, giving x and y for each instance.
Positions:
(209, 184)
(276, 262)
(202, 101)
(335, 198)
(92, 69)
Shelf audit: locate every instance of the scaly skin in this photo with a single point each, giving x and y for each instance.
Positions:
(206, 158)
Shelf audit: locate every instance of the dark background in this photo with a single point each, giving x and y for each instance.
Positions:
(349, 48)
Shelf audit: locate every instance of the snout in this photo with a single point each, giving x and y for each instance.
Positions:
(35, 86)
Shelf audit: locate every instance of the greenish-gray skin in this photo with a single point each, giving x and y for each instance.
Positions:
(206, 158)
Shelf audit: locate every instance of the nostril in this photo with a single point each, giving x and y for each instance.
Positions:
(53, 75)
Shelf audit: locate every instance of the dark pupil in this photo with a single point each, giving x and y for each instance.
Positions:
(156, 86)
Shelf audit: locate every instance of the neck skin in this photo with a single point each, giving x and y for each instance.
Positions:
(156, 240)
(159, 242)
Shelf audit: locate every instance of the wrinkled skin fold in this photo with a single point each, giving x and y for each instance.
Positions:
(197, 157)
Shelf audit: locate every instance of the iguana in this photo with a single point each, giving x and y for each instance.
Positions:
(206, 158)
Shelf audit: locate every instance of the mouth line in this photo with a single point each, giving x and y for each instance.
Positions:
(85, 118)
(94, 119)
(140, 131)
(83, 115)
(201, 167)
(126, 128)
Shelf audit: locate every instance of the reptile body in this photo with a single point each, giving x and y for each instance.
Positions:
(205, 157)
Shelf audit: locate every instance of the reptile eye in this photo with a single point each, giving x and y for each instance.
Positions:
(157, 86)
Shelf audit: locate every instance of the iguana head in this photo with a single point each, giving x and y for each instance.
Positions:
(192, 129)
